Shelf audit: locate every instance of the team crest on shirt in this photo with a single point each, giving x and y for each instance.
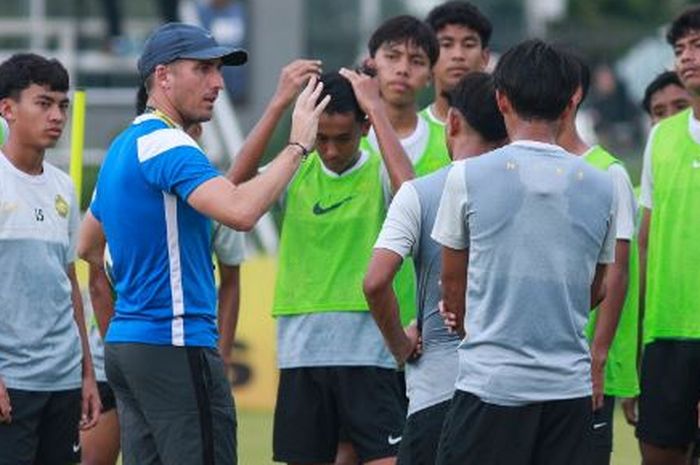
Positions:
(61, 206)
(8, 207)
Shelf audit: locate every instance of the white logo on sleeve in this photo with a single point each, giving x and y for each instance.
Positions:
(393, 440)
(599, 425)
(76, 448)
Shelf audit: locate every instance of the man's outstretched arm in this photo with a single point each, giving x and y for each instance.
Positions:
(240, 206)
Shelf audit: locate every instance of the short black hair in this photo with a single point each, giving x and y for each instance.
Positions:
(474, 97)
(343, 98)
(663, 80)
(405, 29)
(24, 69)
(538, 79)
(460, 13)
(684, 24)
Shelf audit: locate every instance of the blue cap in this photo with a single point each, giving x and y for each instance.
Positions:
(173, 41)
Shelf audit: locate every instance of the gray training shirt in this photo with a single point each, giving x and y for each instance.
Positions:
(536, 221)
(39, 342)
(406, 231)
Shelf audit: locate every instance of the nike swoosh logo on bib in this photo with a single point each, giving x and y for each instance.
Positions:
(319, 210)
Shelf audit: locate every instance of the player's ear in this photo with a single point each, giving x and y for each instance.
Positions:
(162, 76)
(7, 109)
(504, 105)
(454, 122)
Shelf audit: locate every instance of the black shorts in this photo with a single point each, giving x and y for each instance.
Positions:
(106, 396)
(670, 390)
(603, 432)
(422, 434)
(315, 403)
(544, 433)
(44, 428)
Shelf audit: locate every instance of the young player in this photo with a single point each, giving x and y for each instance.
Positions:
(463, 34)
(526, 233)
(614, 362)
(335, 372)
(47, 382)
(402, 51)
(474, 126)
(670, 387)
(665, 96)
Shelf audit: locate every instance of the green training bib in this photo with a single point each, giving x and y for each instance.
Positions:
(673, 283)
(621, 377)
(329, 228)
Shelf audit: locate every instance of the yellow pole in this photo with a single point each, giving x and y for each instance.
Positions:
(77, 141)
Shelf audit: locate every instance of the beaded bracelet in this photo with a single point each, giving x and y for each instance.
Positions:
(304, 150)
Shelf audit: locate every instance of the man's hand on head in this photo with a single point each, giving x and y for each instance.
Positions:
(366, 90)
(293, 78)
(307, 113)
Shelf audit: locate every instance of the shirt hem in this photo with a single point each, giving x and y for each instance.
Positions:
(511, 402)
(43, 387)
(429, 403)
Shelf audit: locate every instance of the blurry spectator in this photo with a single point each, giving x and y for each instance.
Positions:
(228, 22)
(116, 41)
(616, 117)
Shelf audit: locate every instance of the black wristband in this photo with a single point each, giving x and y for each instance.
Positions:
(304, 150)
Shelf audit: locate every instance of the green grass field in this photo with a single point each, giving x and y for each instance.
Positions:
(255, 439)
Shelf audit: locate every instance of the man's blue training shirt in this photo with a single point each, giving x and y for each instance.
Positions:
(160, 245)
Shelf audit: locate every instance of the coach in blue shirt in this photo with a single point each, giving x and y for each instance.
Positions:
(153, 201)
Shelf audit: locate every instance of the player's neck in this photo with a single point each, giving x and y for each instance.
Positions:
(570, 140)
(533, 130)
(403, 119)
(695, 99)
(25, 157)
(468, 146)
(439, 107)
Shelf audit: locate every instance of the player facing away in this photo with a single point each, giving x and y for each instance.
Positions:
(669, 255)
(429, 352)
(47, 383)
(526, 232)
(613, 344)
(463, 34)
(665, 96)
(174, 401)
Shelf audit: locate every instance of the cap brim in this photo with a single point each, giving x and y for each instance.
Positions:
(229, 56)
